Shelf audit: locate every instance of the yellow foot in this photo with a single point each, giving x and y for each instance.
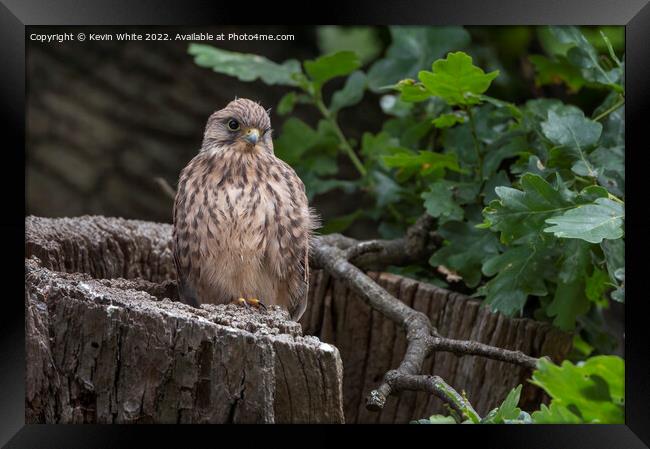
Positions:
(254, 302)
(250, 302)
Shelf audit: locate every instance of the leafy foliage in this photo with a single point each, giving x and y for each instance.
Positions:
(413, 49)
(591, 392)
(244, 66)
(330, 66)
(456, 80)
(528, 197)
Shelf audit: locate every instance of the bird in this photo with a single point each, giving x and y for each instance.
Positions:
(241, 220)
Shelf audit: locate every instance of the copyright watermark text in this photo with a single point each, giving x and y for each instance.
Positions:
(201, 37)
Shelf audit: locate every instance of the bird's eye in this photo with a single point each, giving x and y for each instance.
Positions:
(233, 124)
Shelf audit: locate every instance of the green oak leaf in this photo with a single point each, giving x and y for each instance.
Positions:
(408, 130)
(511, 110)
(517, 273)
(311, 152)
(458, 140)
(373, 146)
(315, 185)
(330, 66)
(596, 287)
(386, 190)
(508, 409)
(456, 80)
(441, 419)
(618, 295)
(364, 40)
(448, 120)
(412, 49)
(602, 219)
(427, 161)
(588, 194)
(497, 152)
(593, 71)
(246, 67)
(439, 202)
(569, 128)
(592, 391)
(287, 103)
(610, 165)
(290, 100)
(584, 56)
(297, 138)
(411, 91)
(319, 164)
(351, 94)
(555, 414)
(464, 192)
(557, 70)
(521, 214)
(535, 111)
(614, 123)
(500, 179)
(569, 300)
(466, 249)
(614, 251)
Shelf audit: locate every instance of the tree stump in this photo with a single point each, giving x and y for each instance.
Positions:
(119, 350)
(106, 341)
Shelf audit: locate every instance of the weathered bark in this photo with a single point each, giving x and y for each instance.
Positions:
(119, 350)
(104, 353)
(104, 248)
(369, 344)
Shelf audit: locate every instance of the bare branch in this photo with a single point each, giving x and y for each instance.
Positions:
(370, 246)
(168, 190)
(416, 246)
(467, 347)
(343, 258)
(438, 387)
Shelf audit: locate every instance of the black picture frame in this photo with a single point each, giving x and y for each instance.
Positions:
(16, 15)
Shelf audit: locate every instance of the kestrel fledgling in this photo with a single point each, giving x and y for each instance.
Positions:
(241, 220)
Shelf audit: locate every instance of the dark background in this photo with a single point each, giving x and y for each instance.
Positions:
(104, 119)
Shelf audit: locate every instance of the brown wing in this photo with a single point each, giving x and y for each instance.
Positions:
(299, 222)
(182, 261)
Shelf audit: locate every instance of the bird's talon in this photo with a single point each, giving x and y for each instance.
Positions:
(250, 302)
(254, 302)
(240, 302)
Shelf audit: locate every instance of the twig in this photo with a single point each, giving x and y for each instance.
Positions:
(166, 188)
(416, 246)
(620, 102)
(438, 387)
(477, 145)
(468, 347)
(332, 253)
(370, 246)
(345, 145)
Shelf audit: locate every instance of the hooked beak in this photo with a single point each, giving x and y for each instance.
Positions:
(252, 136)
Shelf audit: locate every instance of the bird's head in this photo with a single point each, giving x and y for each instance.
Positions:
(242, 125)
